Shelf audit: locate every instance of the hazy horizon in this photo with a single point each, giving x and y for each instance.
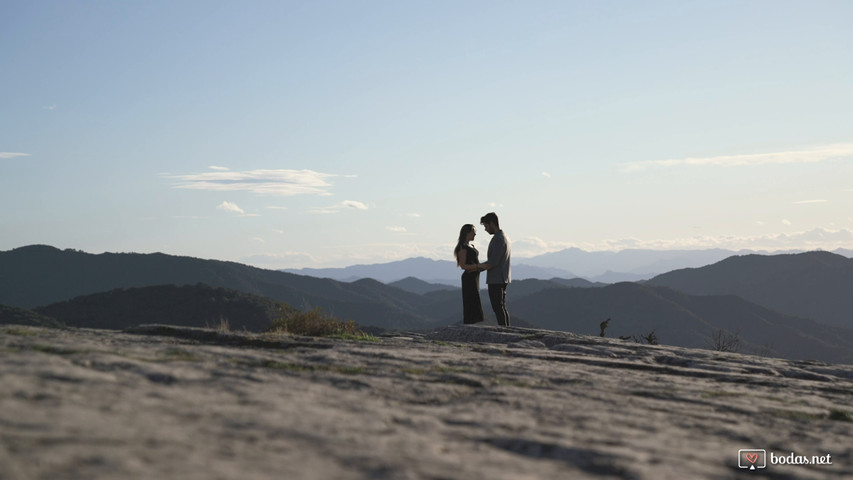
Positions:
(329, 134)
(449, 258)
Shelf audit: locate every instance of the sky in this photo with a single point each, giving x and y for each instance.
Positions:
(319, 133)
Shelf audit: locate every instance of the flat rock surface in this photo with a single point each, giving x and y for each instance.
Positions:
(458, 403)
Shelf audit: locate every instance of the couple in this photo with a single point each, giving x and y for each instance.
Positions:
(496, 266)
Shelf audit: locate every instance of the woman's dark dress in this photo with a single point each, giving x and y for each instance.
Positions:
(472, 309)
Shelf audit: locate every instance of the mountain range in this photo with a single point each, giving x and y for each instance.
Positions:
(685, 320)
(599, 267)
(441, 272)
(683, 307)
(816, 285)
(39, 275)
(180, 305)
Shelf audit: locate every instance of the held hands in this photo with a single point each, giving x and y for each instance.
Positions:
(476, 267)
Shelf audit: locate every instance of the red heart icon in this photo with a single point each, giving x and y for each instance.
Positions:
(752, 457)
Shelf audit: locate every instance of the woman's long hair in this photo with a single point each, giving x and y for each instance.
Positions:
(463, 236)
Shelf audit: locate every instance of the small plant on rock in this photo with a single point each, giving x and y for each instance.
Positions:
(313, 323)
(650, 338)
(725, 341)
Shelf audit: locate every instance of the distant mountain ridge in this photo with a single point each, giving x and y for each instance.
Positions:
(416, 285)
(428, 270)
(22, 316)
(607, 267)
(814, 285)
(441, 272)
(685, 320)
(40, 275)
(187, 305)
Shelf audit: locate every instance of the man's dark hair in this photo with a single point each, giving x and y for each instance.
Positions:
(490, 217)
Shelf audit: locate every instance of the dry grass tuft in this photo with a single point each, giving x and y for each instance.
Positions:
(314, 323)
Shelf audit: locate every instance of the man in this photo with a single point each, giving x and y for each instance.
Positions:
(497, 267)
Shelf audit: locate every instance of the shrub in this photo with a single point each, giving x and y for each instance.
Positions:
(223, 326)
(650, 338)
(840, 415)
(313, 323)
(725, 341)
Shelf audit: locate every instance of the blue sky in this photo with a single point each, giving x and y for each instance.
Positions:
(306, 134)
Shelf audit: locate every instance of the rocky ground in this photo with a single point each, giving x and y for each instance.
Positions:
(458, 403)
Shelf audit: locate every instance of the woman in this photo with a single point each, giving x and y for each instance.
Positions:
(466, 259)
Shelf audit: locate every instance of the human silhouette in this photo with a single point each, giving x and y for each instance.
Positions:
(467, 258)
(497, 266)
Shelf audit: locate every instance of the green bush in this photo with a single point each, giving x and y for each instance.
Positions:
(314, 323)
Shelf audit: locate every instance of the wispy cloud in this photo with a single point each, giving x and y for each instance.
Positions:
(325, 210)
(50, 107)
(281, 182)
(546, 174)
(346, 204)
(806, 202)
(396, 229)
(13, 155)
(812, 155)
(532, 246)
(230, 207)
(353, 204)
(221, 169)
